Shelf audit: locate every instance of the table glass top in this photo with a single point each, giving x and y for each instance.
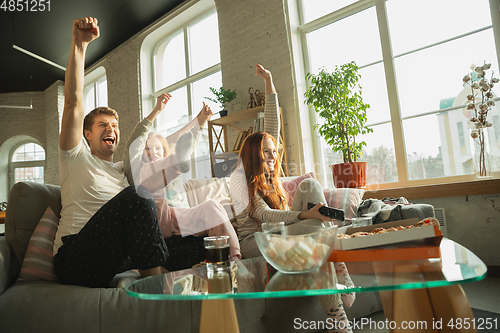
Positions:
(253, 278)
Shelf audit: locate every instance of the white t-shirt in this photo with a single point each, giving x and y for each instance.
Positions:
(87, 183)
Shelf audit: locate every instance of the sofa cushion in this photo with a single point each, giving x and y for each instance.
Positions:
(38, 263)
(347, 199)
(27, 203)
(291, 185)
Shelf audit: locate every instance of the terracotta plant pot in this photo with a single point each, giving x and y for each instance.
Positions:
(349, 174)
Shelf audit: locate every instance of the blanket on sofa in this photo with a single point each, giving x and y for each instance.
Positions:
(381, 211)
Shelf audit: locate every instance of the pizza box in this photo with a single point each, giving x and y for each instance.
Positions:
(392, 237)
(412, 250)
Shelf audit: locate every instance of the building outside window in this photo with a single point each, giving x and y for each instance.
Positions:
(187, 63)
(27, 164)
(420, 130)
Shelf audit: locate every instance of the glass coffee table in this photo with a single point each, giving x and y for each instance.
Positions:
(411, 291)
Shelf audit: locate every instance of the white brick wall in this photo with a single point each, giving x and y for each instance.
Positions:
(54, 104)
(19, 125)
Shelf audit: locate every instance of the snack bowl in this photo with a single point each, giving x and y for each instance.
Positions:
(304, 247)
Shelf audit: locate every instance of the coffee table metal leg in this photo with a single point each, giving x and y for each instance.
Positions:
(218, 316)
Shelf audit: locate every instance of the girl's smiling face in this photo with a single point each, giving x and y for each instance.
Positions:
(153, 151)
(269, 151)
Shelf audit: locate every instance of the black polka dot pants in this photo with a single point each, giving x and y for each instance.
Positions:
(124, 230)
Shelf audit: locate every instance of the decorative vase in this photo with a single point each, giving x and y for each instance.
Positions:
(480, 151)
(351, 175)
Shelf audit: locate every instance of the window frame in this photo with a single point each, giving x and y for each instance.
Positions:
(23, 164)
(396, 120)
(190, 78)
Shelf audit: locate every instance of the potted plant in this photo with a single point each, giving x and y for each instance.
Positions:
(222, 97)
(336, 97)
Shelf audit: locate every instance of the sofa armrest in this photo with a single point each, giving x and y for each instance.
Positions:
(7, 261)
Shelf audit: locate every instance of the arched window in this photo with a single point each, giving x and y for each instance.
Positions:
(27, 164)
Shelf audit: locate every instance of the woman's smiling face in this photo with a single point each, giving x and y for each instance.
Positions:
(269, 152)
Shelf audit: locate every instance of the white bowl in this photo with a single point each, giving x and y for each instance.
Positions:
(303, 249)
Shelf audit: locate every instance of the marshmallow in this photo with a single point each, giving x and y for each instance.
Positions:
(302, 249)
(321, 250)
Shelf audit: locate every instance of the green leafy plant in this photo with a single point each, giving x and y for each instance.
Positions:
(336, 97)
(222, 96)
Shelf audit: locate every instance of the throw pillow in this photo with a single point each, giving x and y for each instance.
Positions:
(347, 199)
(291, 186)
(38, 263)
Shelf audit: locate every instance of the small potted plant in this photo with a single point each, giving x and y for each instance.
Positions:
(336, 97)
(222, 97)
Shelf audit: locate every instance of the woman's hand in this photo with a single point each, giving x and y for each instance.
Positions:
(204, 115)
(314, 213)
(260, 71)
(161, 101)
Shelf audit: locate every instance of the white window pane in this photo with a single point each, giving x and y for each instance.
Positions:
(202, 152)
(29, 152)
(353, 38)
(379, 153)
(427, 77)
(89, 99)
(32, 174)
(314, 9)
(429, 147)
(417, 23)
(103, 93)
(175, 114)
(201, 89)
(171, 62)
(204, 43)
(374, 92)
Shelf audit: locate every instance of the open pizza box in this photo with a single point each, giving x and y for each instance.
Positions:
(408, 244)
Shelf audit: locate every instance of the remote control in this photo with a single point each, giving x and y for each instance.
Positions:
(333, 213)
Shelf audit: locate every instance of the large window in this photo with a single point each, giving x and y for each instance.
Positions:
(422, 48)
(27, 164)
(95, 92)
(187, 63)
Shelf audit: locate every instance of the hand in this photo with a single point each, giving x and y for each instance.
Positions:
(161, 101)
(85, 29)
(262, 72)
(314, 213)
(204, 114)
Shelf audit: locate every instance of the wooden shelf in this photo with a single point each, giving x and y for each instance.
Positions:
(219, 141)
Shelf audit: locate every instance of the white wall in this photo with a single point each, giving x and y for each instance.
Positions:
(474, 222)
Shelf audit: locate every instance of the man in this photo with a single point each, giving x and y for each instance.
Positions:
(106, 225)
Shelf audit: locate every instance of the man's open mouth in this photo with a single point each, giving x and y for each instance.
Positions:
(109, 140)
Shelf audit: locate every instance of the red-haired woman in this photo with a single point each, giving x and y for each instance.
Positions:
(258, 196)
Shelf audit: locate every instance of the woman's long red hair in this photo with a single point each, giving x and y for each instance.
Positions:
(269, 188)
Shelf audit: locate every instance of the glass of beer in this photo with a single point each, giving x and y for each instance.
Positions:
(218, 264)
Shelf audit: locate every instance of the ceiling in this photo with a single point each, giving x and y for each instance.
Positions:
(48, 34)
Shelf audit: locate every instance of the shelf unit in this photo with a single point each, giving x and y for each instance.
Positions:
(218, 137)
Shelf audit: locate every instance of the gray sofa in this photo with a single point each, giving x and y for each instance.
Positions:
(42, 306)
